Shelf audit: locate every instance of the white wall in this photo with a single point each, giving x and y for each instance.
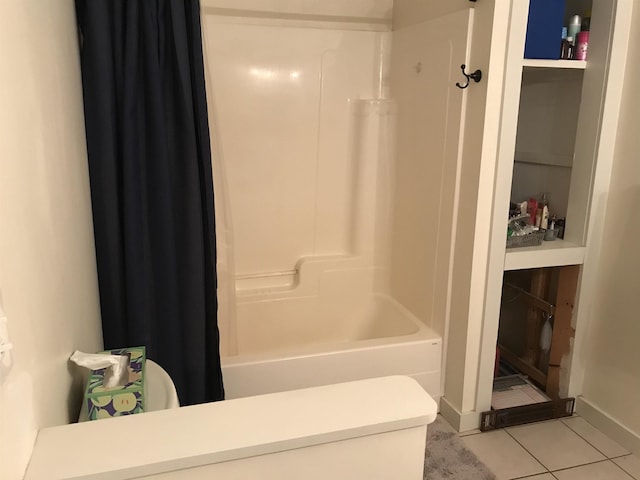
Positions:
(612, 356)
(47, 260)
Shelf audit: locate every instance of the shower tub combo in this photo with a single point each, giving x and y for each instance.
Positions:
(312, 263)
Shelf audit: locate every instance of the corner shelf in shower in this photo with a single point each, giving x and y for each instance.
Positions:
(570, 64)
(549, 254)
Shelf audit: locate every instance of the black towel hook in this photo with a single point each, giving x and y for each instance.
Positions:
(475, 76)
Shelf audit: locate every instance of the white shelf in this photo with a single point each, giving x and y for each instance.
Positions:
(550, 254)
(573, 64)
(547, 159)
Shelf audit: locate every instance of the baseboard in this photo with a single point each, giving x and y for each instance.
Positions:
(608, 425)
(462, 422)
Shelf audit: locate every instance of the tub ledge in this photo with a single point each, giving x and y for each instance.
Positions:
(373, 428)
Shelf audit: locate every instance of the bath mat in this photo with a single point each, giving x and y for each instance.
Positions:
(447, 458)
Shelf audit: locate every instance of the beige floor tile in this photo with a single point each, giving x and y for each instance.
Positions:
(475, 431)
(595, 437)
(630, 464)
(544, 476)
(596, 471)
(555, 445)
(503, 455)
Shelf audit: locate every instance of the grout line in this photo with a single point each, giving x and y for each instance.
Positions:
(620, 456)
(534, 475)
(546, 470)
(607, 458)
(527, 450)
(601, 453)
(582, 437)
(581, 465)
(628, 473)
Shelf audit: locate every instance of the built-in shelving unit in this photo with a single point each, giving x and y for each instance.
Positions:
(558, 115)
(557, 135)
(567, 64)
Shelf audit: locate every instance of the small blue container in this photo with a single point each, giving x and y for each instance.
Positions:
(544, 29)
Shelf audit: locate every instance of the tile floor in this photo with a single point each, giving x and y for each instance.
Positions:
(566, 449)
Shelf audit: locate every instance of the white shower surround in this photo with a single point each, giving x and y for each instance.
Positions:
(305, 168)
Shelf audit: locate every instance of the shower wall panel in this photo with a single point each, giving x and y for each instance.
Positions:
(364, 10)
(284, 90)
(425, 66)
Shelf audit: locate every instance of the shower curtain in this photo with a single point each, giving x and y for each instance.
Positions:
(151, 185)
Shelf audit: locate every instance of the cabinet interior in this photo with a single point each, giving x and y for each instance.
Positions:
(549, 114)
(531, 298)
(547, 125)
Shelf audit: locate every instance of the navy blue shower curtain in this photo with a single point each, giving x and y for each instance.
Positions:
(151, 185)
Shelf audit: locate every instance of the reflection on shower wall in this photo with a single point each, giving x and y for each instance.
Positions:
(286, 96)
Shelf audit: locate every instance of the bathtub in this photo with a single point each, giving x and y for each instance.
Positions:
(292, 343)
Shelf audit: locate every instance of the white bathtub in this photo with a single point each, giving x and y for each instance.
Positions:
(292, 343)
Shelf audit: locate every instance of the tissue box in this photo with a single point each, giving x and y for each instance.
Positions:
(122, 400)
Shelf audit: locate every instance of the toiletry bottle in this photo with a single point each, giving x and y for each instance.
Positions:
(571, 52)
(560, 226)
(575, 25)
(566, 49)
(582, 46)
(544, 220)
(532, 208)
(543, 209)
(564, 45)
(523, 208)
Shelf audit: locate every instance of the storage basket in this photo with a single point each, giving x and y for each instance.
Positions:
(532, 240)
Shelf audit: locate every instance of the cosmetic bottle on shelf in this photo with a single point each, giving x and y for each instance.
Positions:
(582, 45)
(567, 49)
(575, 25)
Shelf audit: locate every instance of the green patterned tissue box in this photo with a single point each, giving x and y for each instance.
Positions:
(121, 400)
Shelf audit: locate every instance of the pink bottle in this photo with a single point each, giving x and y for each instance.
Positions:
(582, 45)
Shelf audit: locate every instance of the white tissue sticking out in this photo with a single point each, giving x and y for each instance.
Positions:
(116, 365)
(545, 336)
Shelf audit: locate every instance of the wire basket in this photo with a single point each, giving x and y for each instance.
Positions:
(532, 240)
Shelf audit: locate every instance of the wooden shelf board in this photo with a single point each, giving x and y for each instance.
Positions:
(550, 254)
(573, 64)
